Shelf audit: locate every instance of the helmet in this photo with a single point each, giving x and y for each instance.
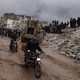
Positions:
(33, 41)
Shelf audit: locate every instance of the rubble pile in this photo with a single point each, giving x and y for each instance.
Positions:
(67, 43)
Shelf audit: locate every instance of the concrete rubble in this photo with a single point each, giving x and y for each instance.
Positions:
(67, 43)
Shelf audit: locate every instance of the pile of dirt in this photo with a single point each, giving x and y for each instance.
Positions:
(67, 43)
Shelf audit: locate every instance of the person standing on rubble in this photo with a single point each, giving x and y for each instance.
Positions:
(78, 22)
(13, 38)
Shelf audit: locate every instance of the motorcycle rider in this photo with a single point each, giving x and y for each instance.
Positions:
(32, 45)
(13, 38)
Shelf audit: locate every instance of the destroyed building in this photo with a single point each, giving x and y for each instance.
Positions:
(12, 20)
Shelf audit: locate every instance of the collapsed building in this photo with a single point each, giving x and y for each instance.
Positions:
(12, 20)
(67, 44)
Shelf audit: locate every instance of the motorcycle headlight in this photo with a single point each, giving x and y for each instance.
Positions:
(15, 42)
(28, 50)
(38, 59)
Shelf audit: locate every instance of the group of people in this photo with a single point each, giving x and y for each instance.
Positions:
(8, 32)
(57, 27)
(74, 22)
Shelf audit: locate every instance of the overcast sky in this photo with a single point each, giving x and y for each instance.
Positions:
(43, 9)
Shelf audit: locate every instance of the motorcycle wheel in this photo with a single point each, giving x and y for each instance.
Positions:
(37, 70)
(10, 47)
(13, 49)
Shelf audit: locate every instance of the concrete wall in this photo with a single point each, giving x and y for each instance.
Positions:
(12, 23)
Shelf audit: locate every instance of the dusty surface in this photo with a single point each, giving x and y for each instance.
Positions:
(54, 66)
(67, 43)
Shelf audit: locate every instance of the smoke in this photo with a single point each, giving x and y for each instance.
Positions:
(63, 13)
(42, 9)
(39, 11)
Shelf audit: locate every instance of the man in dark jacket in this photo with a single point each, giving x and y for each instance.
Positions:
(32, 45)
(78, 22)
(13, 38)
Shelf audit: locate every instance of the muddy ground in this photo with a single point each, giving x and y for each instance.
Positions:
(54, 66)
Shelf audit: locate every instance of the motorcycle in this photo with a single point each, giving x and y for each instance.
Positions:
(13, 46)
(33, 60)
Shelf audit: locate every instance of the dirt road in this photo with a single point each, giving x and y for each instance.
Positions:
(54, 66)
